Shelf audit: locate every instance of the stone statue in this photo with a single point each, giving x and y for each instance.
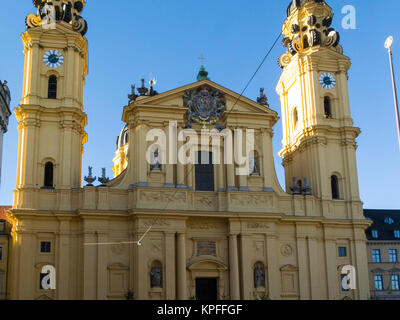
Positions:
(262, 99)
(253, 166)
(259, 276)
(156, 163)
(156, 277)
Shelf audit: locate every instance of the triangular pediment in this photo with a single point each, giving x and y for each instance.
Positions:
(234, 102)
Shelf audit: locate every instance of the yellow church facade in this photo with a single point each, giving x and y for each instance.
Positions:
(175, 230)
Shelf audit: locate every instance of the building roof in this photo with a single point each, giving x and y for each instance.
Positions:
(385, 222)
(3, 210)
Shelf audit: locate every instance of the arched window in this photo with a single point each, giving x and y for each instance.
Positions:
(295, 117)
(48, 175)
(327, 108)
(52, 92)
(335, 187)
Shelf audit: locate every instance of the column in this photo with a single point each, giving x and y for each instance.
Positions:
(313, 265)
(180, 169)
(246, 268)
(89, 265)
(331, 268)
(101, 266)
(170, 270)
(303, 268)
(169, 167)
(143, 165)
(181, 267)
(234, 268)
(361, 265)
(274, 276)
(63, 261)
(230, 172)
(267, 160)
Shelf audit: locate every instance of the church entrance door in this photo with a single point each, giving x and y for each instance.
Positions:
(207, 289)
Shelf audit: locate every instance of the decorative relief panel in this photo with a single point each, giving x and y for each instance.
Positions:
(286, 250)
(206, 248)
(257, 225)
(159, 196)
(205, 202)
(252, 200)
(155, 222)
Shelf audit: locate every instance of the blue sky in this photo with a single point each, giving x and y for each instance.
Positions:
(129, 40)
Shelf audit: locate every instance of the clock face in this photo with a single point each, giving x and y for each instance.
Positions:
(53, 59)
(327, 80)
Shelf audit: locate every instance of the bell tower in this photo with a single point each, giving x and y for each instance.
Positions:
(50, 115)
(318, 133)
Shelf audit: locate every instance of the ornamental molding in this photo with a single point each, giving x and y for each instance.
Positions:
(205, 105)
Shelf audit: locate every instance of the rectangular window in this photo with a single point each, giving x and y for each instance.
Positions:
(376, 256)
(375, 234)
(45, 247)
(204, 171)
(1, 252)
(392, 255)
(342, 251)
(378, 280)
(2, 226)
(395, 282)
(397, 234)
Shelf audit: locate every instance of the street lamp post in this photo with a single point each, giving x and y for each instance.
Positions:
(388, 45)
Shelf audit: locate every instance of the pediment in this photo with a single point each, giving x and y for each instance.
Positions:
(174, 99)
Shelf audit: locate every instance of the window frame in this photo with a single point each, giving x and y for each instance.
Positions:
(375, 232)
(396, 234)
(397, 281)
(378, 278)
(40, 246)
(52, 87)
(345, 252)
(200, 171)
(374, 254)
(46, 179)
(393, 253)
(335, 189)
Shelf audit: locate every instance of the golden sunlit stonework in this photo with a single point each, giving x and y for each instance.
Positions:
(245, 239)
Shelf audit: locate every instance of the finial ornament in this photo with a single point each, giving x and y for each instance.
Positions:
(307, 188)
(262, 99)
(103, 180)
(90, 179)
(202, 58)
(296, 189)
(51, 12)
(132, 97)
(308, 26)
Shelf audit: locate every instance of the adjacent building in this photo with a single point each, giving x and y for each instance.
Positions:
(383, 248)
(5, 248)
(5, 113)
